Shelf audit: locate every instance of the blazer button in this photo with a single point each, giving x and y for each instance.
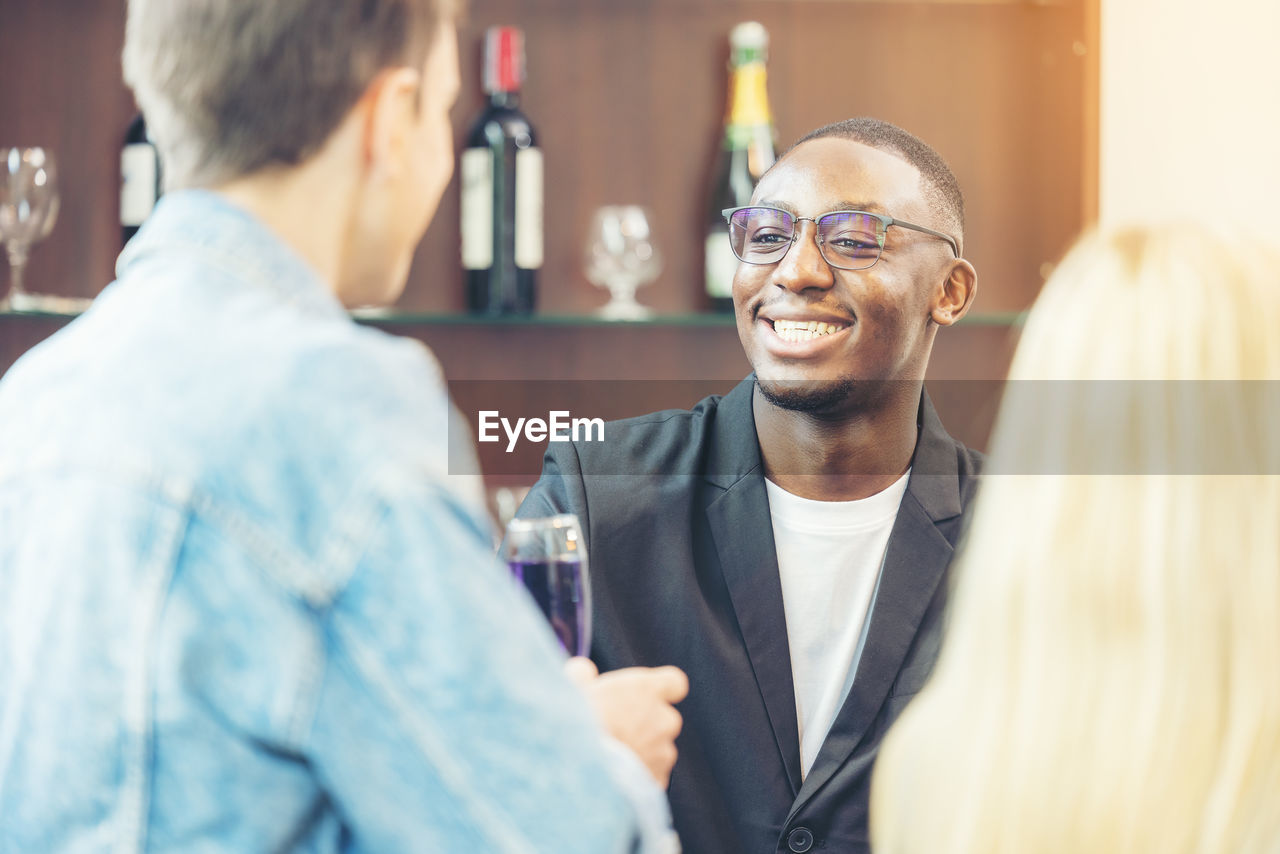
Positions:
(800, 840)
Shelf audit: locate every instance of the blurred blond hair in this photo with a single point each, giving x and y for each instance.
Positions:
(1110, 676)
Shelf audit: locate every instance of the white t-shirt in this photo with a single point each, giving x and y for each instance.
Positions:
(829, 557)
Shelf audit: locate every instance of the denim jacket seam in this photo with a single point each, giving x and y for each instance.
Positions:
(284, 566)
(171, 496)
(138, 714)
(174, 494)
(289, 571)
(380, 489)
(314, 582)
(215, 258)
(352, 534)
(452, 775)
(351, 529)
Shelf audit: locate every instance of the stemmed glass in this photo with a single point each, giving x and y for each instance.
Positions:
(548, 556)
(28, 209)
(621, 256)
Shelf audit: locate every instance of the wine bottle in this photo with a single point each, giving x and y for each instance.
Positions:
(747, 152)
(501, 177)
(139, 178)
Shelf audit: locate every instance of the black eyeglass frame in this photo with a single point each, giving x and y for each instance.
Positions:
(887, 221)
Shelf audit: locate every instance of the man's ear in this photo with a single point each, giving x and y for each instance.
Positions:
(955, 294)
(389, 108)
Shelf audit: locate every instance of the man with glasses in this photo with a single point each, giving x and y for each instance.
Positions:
(787, 544)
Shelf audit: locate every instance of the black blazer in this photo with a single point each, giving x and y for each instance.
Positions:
(684, 571)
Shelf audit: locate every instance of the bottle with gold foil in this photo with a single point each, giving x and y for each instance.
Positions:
(748, 150)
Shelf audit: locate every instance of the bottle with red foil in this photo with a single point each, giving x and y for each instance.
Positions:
(501, 178)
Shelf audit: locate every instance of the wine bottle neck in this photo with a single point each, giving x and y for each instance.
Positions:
(510, 100)
(748, 97)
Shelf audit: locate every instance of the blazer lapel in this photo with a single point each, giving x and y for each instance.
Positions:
(743, 534)
(915, 562)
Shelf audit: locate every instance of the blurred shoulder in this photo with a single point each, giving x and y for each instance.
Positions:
(370, 398)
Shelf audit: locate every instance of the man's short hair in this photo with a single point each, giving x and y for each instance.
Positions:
(941, 190)
(229, 87)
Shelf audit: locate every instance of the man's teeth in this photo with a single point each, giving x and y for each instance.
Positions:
(803, 330)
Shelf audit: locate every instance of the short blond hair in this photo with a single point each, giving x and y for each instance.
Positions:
(1110, 675)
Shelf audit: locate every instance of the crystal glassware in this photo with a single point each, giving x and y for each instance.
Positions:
(28, 209)
(621, 256)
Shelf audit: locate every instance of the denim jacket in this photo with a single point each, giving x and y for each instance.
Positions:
(244, 604)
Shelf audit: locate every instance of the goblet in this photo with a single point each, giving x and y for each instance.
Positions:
(28, 209)
(621, 256)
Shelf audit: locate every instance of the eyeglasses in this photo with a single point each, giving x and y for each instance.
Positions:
(849, 240)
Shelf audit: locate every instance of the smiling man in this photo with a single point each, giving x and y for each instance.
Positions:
(787, 544)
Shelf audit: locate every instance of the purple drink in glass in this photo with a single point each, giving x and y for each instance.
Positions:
(549, 558)
(556, 587)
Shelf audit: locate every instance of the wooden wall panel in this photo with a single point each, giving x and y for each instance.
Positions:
(628, 97)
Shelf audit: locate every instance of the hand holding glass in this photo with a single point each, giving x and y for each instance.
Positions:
(549, 557)
(28, 207)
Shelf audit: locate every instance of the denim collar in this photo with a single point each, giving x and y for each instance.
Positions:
(206, 226)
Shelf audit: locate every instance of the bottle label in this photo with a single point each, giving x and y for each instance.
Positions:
(137, 183)
(528, 249)
(721, 264)
(477, 208)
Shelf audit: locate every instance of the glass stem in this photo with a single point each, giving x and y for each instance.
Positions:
(18, 253)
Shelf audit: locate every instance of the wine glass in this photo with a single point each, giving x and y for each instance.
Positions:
(621, 257)
(28, 209)
(548, 556)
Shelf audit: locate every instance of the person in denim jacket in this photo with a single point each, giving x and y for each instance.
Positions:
(245, 604)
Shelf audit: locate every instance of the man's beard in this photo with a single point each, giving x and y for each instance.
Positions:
(814, 397)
